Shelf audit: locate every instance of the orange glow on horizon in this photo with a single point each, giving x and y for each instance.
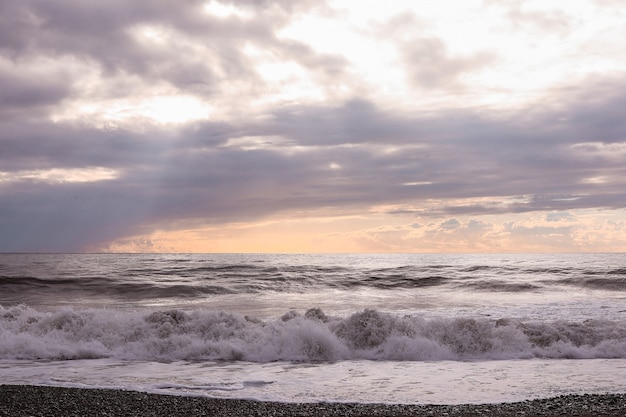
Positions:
(379, 233)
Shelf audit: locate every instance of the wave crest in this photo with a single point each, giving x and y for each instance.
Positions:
(26, 333)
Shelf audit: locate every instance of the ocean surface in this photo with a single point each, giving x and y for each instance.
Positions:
(438, 329)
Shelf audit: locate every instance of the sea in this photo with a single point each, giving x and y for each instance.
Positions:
(392, 328)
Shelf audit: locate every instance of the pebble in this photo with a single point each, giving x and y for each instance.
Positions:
(39, 401)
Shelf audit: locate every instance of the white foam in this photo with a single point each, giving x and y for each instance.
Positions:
(201, 335)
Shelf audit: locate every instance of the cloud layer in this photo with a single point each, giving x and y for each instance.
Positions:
(121, 119)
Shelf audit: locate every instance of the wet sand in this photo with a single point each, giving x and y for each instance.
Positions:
(27, 400)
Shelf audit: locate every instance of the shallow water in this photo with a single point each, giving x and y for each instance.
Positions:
(437, 382)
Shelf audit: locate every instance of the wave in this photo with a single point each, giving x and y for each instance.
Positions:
(100, 287)
(600, 283)
(500, 286)
(201, 335)
(184, 276)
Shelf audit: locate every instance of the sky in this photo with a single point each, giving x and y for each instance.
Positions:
(313, 126)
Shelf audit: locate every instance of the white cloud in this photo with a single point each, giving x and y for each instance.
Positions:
(61, 175)
(225, 10)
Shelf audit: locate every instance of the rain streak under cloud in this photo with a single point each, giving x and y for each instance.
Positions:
(312, 126)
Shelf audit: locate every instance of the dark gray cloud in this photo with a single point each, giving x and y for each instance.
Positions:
(29, 91)
(197, 52)
(338, 157)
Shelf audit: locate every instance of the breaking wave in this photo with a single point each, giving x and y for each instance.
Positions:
(201, 335)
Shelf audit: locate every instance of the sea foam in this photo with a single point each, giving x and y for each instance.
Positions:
(203, 335)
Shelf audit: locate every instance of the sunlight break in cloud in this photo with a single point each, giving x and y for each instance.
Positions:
(61, 175)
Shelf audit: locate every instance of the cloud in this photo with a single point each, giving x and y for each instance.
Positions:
(149, 49)
(426, 59)
(559, 217)
(450, 224)
(360, 156)
(120, 119)
(518, 233)
(429, 64)
(554, 21)
(30, 89)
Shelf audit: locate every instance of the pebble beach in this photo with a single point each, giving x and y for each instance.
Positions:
(28, 400)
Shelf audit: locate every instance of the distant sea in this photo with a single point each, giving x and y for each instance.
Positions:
(437, 329)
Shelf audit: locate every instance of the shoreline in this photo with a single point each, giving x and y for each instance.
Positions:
(34, 400)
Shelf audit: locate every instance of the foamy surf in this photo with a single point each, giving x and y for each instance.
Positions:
(311, 336)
